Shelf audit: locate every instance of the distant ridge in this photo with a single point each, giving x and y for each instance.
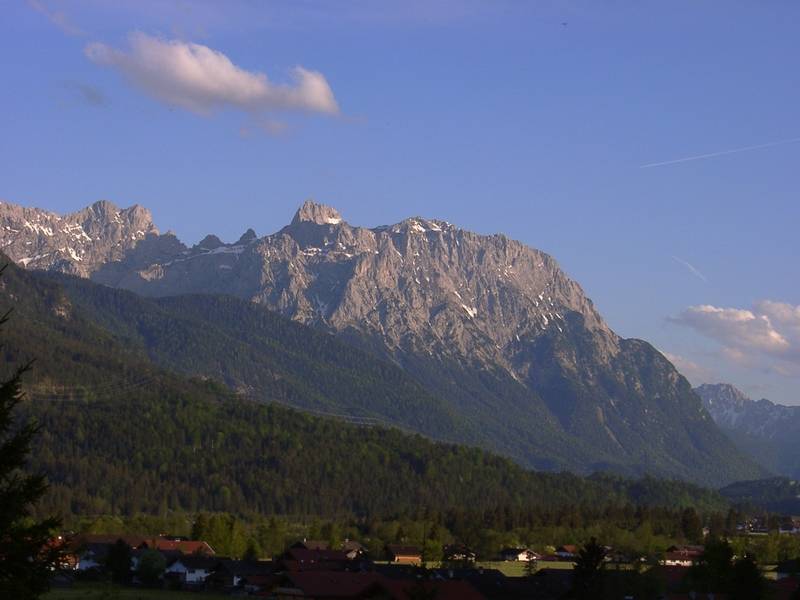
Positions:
(768, 432)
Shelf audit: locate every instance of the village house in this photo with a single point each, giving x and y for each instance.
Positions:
(682, 556)
(353, 549)
(311, 544)
(197, 547)
(567, 552)
(90, 550)
(230, 573)
(518, 554)
(458, 553)
(790, 526)
(406, 555)
(302, 559)
(191, 570)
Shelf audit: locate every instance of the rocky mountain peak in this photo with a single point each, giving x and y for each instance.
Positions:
(104, 208)
(319, 214)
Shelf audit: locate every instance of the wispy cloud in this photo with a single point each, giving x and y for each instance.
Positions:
(692, 269)
(693, 371)
(269, 127)
(56, 17)
(87, 93)
(720, 153)
(768, 331)
(203, 80)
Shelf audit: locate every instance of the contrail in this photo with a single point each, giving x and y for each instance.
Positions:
(690, 267)
(721, 153)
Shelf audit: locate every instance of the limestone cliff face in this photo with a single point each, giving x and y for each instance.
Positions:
(420, 285)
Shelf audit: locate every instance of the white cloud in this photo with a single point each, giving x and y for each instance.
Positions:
(785, 317)
(202, 80)
(770, 330)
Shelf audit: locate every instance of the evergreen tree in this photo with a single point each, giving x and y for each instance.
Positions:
(589, 571)
(747, 582)
(691, 525)
(118, 562)
(253, 551)
(530, 565)
(713, 572)
(27, 556)
(151, 567)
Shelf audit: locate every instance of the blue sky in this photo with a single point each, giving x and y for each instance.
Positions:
(528, 118)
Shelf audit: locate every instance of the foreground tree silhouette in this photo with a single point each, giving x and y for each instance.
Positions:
(747, 582)
(27, 558)
(118, 562)
(713, 572)
(589, 570)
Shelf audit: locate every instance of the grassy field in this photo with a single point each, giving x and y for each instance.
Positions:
(517, 568)
(107, 592)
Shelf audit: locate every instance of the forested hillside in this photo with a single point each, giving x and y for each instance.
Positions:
(248, 348)
(776, 494)
(121, 435)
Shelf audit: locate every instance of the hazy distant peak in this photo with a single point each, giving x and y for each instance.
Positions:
(210, 242)
(247, 237)
(320, 214)
(724, 392)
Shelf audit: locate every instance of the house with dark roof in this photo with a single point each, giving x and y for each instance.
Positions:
(303, 559)
(353, 549)
(458, 553)
(567, 551)
(311, 544)
(230, 573)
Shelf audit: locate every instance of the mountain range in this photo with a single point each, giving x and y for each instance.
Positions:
(503, 349)
(767, 431)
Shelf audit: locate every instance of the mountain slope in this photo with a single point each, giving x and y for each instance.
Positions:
(122, 436)
(490, 326)
(264, 356)
(768, 432)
